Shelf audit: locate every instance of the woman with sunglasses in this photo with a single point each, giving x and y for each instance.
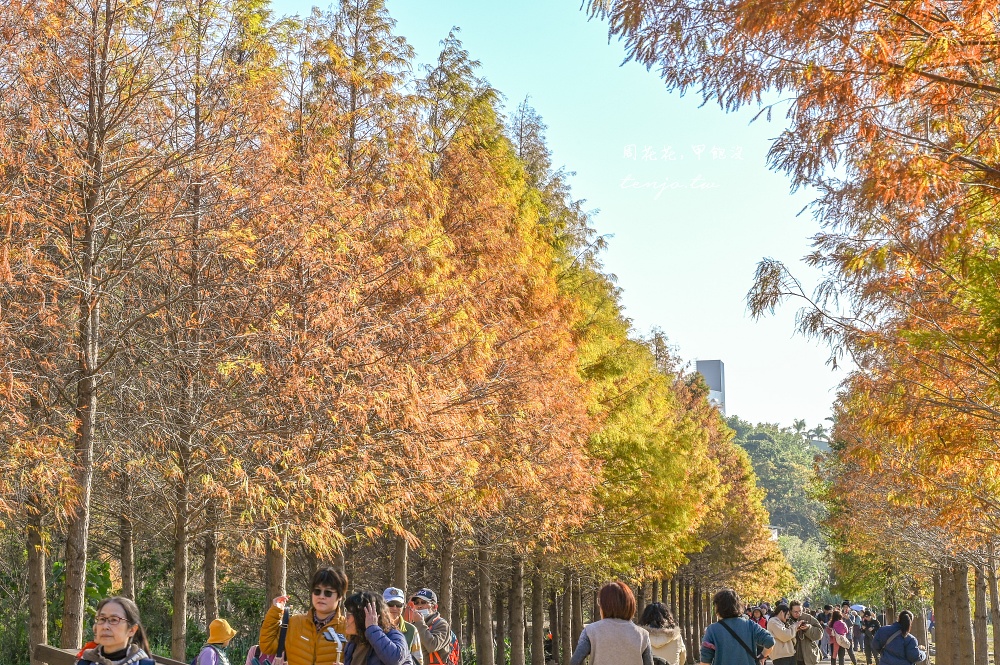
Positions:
(119, 638)
(315, 637)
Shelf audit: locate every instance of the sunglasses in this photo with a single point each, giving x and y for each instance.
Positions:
(395, 603)
(326, 593)
(419, 601)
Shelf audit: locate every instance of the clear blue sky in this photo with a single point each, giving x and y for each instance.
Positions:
(684, 191)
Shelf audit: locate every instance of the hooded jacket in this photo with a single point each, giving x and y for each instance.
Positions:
(668, 644)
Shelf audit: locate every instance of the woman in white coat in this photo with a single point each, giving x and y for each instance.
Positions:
(784, 629)
(665, 637)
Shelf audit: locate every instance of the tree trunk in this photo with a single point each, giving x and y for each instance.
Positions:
(79, 523)
(484, 626)
(554, 625)
(688, 618)
(963, 614)
(275, 564)
(500, 637)
(517, 613)
(447, 573)
(178, 622)
(577, 609)
(940, 635)
(399, 556)
(312, 562)
(127, 553)
(211, 570)
(699, 618)
(38, 614)
(566, 618)
(537, 618)
(471, 610)
(980, 637)
(640, 598)
(991, 573)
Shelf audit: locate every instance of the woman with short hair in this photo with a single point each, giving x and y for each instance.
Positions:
(734, 638)
(614, 640)
(315, 637)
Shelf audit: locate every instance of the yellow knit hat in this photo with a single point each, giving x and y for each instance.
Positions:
(220, 631)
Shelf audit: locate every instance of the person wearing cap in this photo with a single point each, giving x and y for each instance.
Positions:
(434, 631)
(396, 600)
(220, 634)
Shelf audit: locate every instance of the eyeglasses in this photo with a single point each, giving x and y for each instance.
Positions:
(419, 601)
(395, 603)
(327, 593)
(111, 620)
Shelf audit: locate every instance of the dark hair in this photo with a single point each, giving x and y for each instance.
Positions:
(905, 621)
(616, 601)
(132, 617)
(355, 606)
(780, 607)
(657, 615)
(794, 603)
(827, 608)
(333, 579)
(727, 603)
(836, 616)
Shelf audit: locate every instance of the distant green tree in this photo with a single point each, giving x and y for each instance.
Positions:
(783, 458)
(808, 561)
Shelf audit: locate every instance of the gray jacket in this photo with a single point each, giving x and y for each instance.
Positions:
(807, 642)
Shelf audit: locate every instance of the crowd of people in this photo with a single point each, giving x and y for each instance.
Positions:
(370, 628)
(364, 628)
(790, 633)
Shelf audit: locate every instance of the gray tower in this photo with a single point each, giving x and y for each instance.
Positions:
(714, 372)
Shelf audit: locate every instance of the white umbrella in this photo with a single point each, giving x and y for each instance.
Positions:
(858, 608)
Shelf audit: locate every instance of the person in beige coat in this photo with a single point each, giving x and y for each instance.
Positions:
(784, 630)
(665, 638)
